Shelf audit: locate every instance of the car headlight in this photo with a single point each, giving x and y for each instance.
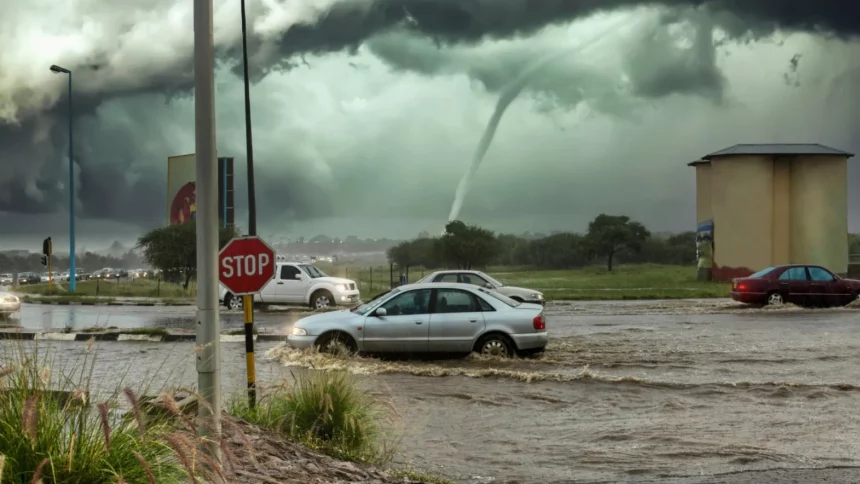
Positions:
(10, 299)
(340, 287)
(298, 332)
(538, 296)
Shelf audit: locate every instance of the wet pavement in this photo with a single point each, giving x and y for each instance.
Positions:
(633, 391)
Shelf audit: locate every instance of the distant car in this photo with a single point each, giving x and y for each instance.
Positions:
(429, 317)
(28, 278)
(5, 279)
(481, 279)
(803, 285)
(9, 304)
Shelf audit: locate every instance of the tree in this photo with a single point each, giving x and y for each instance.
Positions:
(467, 245)
(609, 235)
(173, 249)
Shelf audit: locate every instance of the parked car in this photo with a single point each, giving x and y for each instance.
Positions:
(9, 304)
(481, 279)
(5, 279)
(429, 318)
(102, 273)
(298, 283)
(28, 278)
(117, 274)
(804, 285)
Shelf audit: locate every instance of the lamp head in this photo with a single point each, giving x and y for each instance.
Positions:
(59, 70)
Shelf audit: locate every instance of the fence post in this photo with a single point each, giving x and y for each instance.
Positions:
(346, 272)
(391, 275)
(97, 287)
(370, 289)
(158, 285)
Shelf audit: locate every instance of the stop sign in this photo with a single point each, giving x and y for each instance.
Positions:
(246, 265)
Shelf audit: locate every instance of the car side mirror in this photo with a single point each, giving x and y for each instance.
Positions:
(299, 277)
(381, 312)
(489, 286)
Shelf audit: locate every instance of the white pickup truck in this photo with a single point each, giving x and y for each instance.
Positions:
(300, 283)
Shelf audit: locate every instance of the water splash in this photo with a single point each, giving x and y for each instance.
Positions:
(507, 96)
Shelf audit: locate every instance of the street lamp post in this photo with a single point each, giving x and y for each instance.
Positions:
(72, 279)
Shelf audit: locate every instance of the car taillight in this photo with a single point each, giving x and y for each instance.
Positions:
(539, 322)
(742, 287)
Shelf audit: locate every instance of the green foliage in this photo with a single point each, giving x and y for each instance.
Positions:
(465, 246)
(609, 235)
(325, 411)
(57, 436)
(173, 249)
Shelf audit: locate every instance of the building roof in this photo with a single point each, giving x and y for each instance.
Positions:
(698, 162)
(787, 149)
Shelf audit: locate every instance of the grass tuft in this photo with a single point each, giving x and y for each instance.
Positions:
(57, 436)
(327, 412)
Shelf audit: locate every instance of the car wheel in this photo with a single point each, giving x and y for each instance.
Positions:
(336, 343)
(322, 300)
(775, 299)
(233, 302)
(495, 345)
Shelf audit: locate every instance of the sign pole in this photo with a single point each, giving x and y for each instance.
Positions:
(208, 341)
(248, 301)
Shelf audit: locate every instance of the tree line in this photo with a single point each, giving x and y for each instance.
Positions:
(609, 240)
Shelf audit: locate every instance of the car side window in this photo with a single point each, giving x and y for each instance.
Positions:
(446, 278)
(485, 306)
(794, 274)
(411, 302)
(474, 279)
(289, 273)
(454, 301)
(820, 275)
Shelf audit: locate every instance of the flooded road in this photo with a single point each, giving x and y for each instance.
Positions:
(625, 392)
(634, 397)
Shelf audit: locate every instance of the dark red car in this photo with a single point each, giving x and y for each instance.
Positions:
(804, 285)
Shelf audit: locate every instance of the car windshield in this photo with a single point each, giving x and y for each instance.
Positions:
(505, 299)
(312, 271)
(364, 308)
(762, 273)
(494, 281)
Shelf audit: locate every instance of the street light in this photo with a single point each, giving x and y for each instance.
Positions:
(72, 279)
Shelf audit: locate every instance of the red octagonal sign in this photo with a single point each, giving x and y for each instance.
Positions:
(246, 265)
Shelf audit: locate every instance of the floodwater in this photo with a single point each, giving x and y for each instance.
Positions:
(633, 396)
(627, 391)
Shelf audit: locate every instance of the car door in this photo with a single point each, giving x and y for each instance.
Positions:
(404, 328)
(456, 320)
(290, 286)
(794, 285)
(823, 288)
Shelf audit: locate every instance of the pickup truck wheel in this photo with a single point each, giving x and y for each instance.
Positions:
(321, 300)
(233, 302)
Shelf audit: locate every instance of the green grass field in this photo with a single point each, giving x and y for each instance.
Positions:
(647, 281)
(116, 288)
(631, 282)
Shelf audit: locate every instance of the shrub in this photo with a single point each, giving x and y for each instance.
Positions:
(328, 412)
(59, 436)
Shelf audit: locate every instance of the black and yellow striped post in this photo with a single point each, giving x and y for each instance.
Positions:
(248, 306)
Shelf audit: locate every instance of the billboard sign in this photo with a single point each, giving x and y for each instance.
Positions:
(182, 193)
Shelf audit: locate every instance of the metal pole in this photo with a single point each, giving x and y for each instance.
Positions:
(248, 301)
(72, 280)
(208, 341)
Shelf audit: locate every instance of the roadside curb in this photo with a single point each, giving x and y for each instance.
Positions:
(119, 336)
(94, 303)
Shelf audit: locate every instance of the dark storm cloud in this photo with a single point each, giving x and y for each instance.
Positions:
(34, 148)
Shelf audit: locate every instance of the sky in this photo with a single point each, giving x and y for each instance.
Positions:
(367, 113)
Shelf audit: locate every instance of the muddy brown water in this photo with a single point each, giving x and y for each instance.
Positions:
(626, 392)
(672, 389)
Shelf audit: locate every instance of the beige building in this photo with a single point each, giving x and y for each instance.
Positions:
(773, 204)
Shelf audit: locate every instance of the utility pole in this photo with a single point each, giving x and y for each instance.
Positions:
(248, 300)
(208, 324)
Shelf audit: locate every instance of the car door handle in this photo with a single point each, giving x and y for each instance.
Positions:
(281, 282)
(473, 320)
(419, 322)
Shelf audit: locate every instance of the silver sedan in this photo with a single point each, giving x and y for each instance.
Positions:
(429, 318)
(9, 304)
